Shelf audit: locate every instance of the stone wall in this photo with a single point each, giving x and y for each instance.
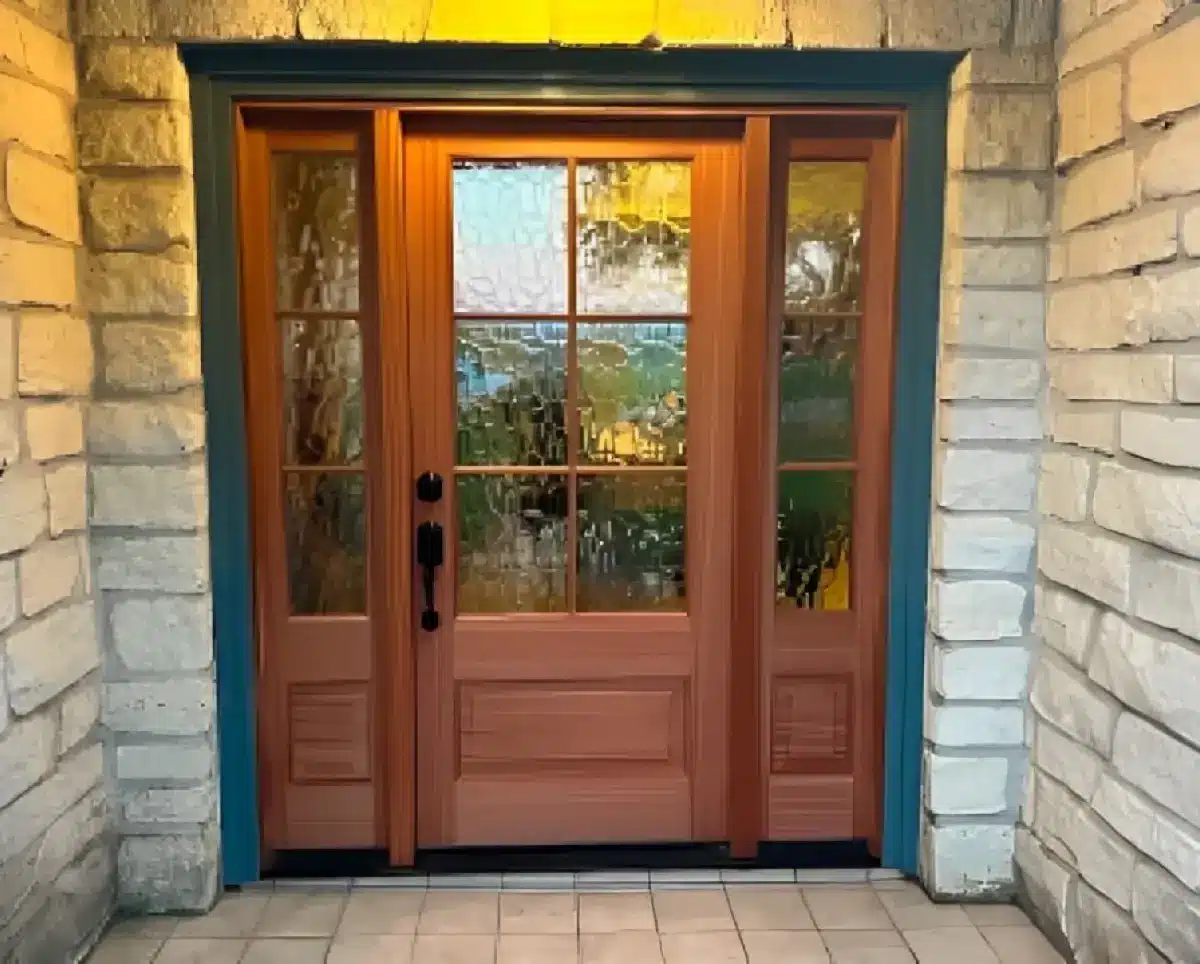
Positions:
(56, 844)
(1110, 844)
(146, 436)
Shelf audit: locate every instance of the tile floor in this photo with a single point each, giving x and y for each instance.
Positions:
(608, 921)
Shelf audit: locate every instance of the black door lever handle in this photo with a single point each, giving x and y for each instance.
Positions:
(430, 552)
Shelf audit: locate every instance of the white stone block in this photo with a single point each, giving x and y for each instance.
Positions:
(1087, 426)
(977, 609)
(1048, 884)
(994, 318)
(1167, 593)
(79, 714)
(987, 480)
(1151, 829)
(26, 755)
(1118, 376)
(1167, 913)
(49, 654)
(150, 496)
(1062, 695)
(176, 707)
(1002, 379)
(167, 804)
(1065, 621)
(22, 507)
(164, 761)
(1096, 565)
(152, 562)
(1067, 760)
(1161, 509)
(9, 599)
(165, 634)
(967, 421)
(1064, 484)
(1159, 765)
(970, 861)
(952, 725)
(969, 541)
(1169, 438)
(981, 672)
(50, 571)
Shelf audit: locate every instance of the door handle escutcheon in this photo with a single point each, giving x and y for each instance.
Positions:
(430, 552)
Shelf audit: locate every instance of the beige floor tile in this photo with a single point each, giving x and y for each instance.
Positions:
(847, 908)
(996, 915)
(628, 947)
(784, 947)
(686, 911)
(538, 949)
(950, 945)
(1020, 945)
(911, 909)
(301, 915)
(770, 909)
(154, 926)
(382, 912)
(126, 950)
(236, 915)
(454, 949)
(862, 940)
(610, 913)
(202, 950)
(695, 947)
(371, 949)
(286, 950)
(538, 914)
(872, 955)
(460, 912)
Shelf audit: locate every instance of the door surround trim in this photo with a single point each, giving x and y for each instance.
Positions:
(222, 75)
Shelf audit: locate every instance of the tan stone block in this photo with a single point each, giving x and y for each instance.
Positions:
(1170, 167)
(22, 506)
(138, 214)
(35, 50)
(1094, 314)
(113, 134)
(53, 429)
(1033, 24)
(1098, 189)
(1124, 243)
(36, 117)
(401, 21)
(54, 352)
(219, 19)
(148, 356)
(150, 496)
(10, 434)
(66, 491)
(994, 318)
(115, 18)
(1112, 35)
(1189, 237)
(132, 71)
(55, 15)
(1063, 486)
(1164, 75)
(36, 272)
(166, 425)
(1074, 17)
(8, 355)
(988, 207)
(1120, 376)
(1089, 112)
(49, 571)
(42, 195)
(1166, 303)
(1087, 425)
(992, 66)
(948, 26)
(851, 24)
(1009, 131)
(1019, 264)
(135, 283)
(719, 22)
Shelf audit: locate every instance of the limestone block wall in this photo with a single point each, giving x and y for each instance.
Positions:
(146, 434)
(1110, 843)
(56, 842)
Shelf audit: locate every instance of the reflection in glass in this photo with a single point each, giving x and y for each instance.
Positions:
(512, 538)
(823, 261)
(631, 542)
(510, 237)
(812, 569)
(816, 389)
(511, 393)
(633, 236)
(316, 224)
(632, 395)
(323, 396)
(326, 542)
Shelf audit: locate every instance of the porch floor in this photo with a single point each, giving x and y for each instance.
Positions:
(680, 921)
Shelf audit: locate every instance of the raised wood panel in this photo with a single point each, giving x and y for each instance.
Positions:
(331, 815)
(556, 726)
(330, 736)
(811, 808)
(811, 724)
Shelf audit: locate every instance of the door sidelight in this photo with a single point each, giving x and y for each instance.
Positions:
(430, 551)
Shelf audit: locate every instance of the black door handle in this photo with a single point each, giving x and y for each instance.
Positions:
(430, 551)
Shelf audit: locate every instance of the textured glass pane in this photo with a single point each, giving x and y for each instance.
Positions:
(632, 396)
(634, 237)
(323, 394)
(511, 393)
(631, 555)
(326, 542)
(812, 569)
(823, 264)
(510, 237)
(512, 544)
(816, 389)
(316, 232)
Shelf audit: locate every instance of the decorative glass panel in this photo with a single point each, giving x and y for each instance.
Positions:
(823, 262)
(323, 392)
(631, 542)
(511, 393)
(816, 389)
(632, 395)
(512, 543)
(510, 237)
(812, 568)
(634, 237)
(316, 223)
(326, 542)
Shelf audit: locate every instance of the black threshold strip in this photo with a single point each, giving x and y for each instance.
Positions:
(823, 855)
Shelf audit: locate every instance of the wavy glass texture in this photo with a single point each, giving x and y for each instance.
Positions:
(315, 202)
(326, 542)
(813, 538)
(511, 393)
(631, 542)
(816, 389)
(510, 237)
(632, 393)
(633, 236)
(323, 392)
(512, 543)
(823, 257)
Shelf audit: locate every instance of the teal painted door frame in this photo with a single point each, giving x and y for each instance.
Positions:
(223, 74)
